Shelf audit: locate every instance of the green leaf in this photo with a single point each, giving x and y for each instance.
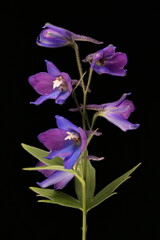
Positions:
(50, 167)
(108, 191)
(56, 167)
(41, 154)
(90, 182)
(57, 197)
(52, 164)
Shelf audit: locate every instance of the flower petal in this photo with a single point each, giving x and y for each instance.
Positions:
(115, 64)
(52, 179)
(42, 82)
(68, 80)
(119, 60)
(67, 151)
(125, 108)
(62, 97)
(50, 43)
(70, 161)
(52, 69)
(109, 69)
(65, 124)
(109, 51)
(116, 103)
(53, 36)
(58, 31)
(62, 183)
(43, 98)
(46, 173)
(53, 139)
(120, 121)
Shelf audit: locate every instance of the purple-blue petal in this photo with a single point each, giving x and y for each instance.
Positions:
(65, 124)
(47, 172)
(125, 108)
(70, 161)
(51, 43)
(109, 69)
(53, 37)
(53, 139)
(120, 121)
(109, 51)
(68, 80)
(100, 69)
(43, 98)
(52, 179)
(62, 183)
(60, 32)
(62, 97)
(115, 103)
(67, 151)
(52, 69)
(42, 82)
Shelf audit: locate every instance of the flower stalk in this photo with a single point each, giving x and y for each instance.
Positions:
(85, 155)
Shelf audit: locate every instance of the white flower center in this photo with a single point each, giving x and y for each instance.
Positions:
(72, 136)
(57, 82)
(60, 83)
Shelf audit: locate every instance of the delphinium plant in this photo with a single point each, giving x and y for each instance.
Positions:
(67, 155)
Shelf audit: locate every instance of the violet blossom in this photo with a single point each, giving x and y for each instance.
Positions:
(116, 112)
(59, 178)
(51, 85)
(108, 61)
(54, 37)
(67, 141)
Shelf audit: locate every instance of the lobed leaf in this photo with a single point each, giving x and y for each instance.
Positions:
(57, 197)
(108, 191)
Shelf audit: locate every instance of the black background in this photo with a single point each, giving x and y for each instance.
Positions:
(133, 28)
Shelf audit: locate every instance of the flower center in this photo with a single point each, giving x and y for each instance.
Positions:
(59, 83)
(73, 136)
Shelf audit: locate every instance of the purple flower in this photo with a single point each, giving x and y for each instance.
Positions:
(59, 178)
(53, 177)
(116, 112)
(108, 61)
(67, 141)
(51, 85)
(53, 37)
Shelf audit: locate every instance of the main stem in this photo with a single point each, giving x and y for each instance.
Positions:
(84, 163)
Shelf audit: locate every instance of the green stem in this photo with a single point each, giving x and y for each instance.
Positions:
(84, 118)
(84, 121)
(89, 79)
(84, 221)
(76, 49)
(76, 101)
(94, 119)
